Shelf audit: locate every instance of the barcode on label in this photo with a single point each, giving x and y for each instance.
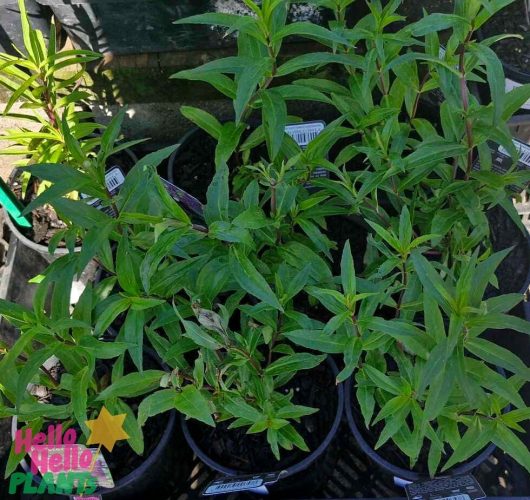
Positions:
(114, 178)
(233, 486)
(304, 133)
(456, 497)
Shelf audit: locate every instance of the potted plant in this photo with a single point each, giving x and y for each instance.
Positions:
(55, 379)
(429, 379)
(47, 85)
(235, 362)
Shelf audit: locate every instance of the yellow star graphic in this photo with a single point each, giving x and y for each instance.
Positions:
(106, 429)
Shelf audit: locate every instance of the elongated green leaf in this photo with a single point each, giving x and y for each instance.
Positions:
(317, 59)
(199, 336)
(202, 119)
(498, 356)
(156, 403)
(317, 340)
(194, 404)
(412, 337)
(250, 279)
(477, 436)
(347, 271)
(383, 381)
(433, 282)
(505, 439)
(133, 384)
(294, 363)
(247, 83)
(274, 119)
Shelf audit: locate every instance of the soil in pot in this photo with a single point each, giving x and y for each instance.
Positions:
(512, 51)
(45, 222)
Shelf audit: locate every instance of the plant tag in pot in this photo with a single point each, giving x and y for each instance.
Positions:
(502, 161)
(184, 198)
(303, 133)
(451, 488)
(114, 179)
(253, 482)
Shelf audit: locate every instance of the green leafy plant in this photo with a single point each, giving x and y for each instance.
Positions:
(231, 302)
(49, 84)
(427, 377)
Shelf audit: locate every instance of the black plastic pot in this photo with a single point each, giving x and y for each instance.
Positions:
(301, 478)
(401, 475)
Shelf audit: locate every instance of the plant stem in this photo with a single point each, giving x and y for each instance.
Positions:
(465, 104)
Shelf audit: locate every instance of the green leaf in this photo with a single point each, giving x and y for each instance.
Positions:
(433, 282)
(194, 404)
(101, 349)
(133, 336)
(247, 82)
(311, 31)
(199, 336)
(495, 75)
(245, 24)
(412, 337)
(317, 340)
(294, 363)
(497, 356)
(382, 381)
(317, 59)
(347, 271)
(394, 423)
(392, 406)
(217, 196)
(352, 353)
(241, 409)
(203, 119)
(127, 266)
(250, 279)
(437, 22)
(114, 306)
(156, 403)
(366, 400)
(274, 118)
(514, 100)
(505, 439)
(477, 436)
(252, 218)
(133, 385)
(154, 256)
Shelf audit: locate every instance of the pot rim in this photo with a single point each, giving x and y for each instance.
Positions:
(290, 471)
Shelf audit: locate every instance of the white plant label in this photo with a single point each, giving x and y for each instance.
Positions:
(114, 179)
(256, 483)
(451, 488)
(303, 134)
